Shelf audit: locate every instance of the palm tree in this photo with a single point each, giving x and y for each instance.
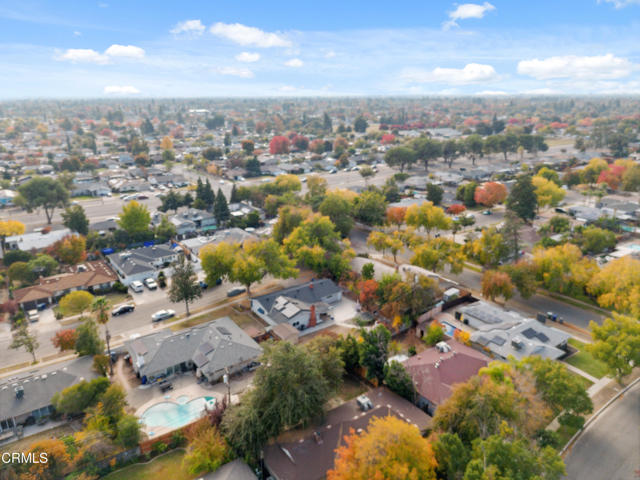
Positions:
(101, 308)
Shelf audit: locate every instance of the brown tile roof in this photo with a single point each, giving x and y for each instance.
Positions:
(98, 272)
(434, 372)
(309, 457)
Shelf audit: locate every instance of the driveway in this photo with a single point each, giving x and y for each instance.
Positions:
(610, 447)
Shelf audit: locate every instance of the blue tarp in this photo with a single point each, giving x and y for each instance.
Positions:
(149, 244)
(107, 251)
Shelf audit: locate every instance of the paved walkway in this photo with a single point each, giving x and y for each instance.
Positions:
(591, 378)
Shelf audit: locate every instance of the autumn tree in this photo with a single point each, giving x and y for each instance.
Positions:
(617, 286)
(42, 192)
(496, 284)
(428, 216)
(523, 277)
(76, 302)
(71, 249)
(58, 460)
(383, 242)
(9, 228)
(396, 215)
(563, 269)
(616, 343)
(65, 339)
(184, 283)
(207, 449)
(75, 219)
(489, 249)
(279, 145)
(490, 194)
(368, 296)
(134, 219)
(389, 448)
(438, 253)
(370, 207)
(547, 192)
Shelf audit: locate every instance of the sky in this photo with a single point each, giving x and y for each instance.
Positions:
(156, 48)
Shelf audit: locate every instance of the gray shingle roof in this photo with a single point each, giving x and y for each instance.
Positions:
(41, 384)
(305, 293)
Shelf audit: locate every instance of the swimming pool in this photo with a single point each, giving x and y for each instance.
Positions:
(175, 415)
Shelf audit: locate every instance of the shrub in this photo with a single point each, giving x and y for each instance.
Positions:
(13, 256)
(434, 335)
(118, 287)
(159, 447)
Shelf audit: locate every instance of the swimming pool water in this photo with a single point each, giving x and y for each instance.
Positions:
(175, 415)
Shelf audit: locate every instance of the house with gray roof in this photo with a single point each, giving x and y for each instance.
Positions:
(301, 306)
(35, 240)
(211, 350)
(140, 263)
(505, 333)
(229, 235)
(25, 398)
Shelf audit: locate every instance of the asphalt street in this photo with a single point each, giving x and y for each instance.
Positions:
(610, 447)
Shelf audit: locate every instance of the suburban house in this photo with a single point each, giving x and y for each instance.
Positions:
(95, 276)
(7, 197)
(189, 220)
(241, 209)
(504, 333)
(435, 370)
(141, 263)
(27, 398)
(229, 235)
(302, 306)
(109, 225)
(93, 189)
(211, 349)
(234, 470)
(311, 455)
(35, 240)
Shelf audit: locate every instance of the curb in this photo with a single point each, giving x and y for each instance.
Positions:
(593, 418)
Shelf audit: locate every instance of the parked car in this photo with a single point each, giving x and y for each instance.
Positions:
(136, 286)
(234, 292)
(123, 309)
(162, 315)
(165, 386)
(150, 283)
(203, 285)
(487, 212)
(33, 315)
(143, 197)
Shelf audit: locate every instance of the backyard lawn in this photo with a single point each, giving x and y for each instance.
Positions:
(585, 361)
(242, 319)
(168, 466)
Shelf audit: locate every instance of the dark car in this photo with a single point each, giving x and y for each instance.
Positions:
(203, 285)
(165, 386)
(236, 291)
(122, 309)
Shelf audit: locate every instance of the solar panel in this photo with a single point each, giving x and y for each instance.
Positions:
(205, 348)
(529, 333)
(498, 340)
(543, 338)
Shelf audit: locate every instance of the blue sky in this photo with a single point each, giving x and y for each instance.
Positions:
(144, 48)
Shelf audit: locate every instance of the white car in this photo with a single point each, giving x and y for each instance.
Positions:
(150, 283)
(162, 315)
(136, 286)
(221, 182)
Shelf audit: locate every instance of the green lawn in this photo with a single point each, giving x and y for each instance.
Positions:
(564, 434)
(585, 361)
(166, 467)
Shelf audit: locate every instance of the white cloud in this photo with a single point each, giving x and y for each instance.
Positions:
(287, 88)
(621, 3)
(77, 33)
(120, 90)
(467, 10)
(124, 51)
(330, 54)
(471, 73)
(492, 93)
(244, 35)
(572, 66)
(542, 91)
(248, 57)
(294, 62)
(236, 72)
(194, 27)
(83, 55)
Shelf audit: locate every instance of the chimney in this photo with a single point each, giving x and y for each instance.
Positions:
(312, 317)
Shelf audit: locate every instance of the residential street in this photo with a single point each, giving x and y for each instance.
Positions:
(610, 447)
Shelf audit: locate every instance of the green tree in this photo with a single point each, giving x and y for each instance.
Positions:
(129, 434)
(165, 230)
(88, 340)
(616, 343)
(184, 283)
(75, 219)
(434, 193)
(438, 253)
(374, 350)
(42, 192)
(339, 208)
(426, 149)
(366, 172)
(170, 201)
(452, 456)
(221, 208)
(23, 338)
(523, 200)
(401, 157)
(434, 335)
(207, 449)
(77, 398)
(368, 271)
(399, 380)
(360, 124)
(217, 260)
(134, 218)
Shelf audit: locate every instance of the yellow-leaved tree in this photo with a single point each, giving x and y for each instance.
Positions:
(617, 286)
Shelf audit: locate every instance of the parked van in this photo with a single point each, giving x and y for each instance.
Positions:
(33, 316)
(136, 286)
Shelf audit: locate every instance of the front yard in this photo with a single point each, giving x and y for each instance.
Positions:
(243, 318)
(167, 466)
(585, 361)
